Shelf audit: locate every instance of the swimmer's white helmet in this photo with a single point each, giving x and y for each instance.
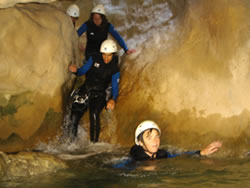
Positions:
(143, 126)
(73, 11)
(99, 9)
(108, 46)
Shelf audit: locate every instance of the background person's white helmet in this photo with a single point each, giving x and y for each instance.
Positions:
(143, 126)
(73, 11)
(99, 9)
(108, 46)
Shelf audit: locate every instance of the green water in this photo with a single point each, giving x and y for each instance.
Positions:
(184, 171)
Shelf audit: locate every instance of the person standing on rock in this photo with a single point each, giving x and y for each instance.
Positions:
(98, 28)
(74, 12)
(100, 70)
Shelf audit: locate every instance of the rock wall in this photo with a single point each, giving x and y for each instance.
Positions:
(192, 79)
(9, 3)
(190, 73)
(38, 42)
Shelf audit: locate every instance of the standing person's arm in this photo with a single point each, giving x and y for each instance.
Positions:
(115, 85)
(120, 40)
(82, 70)
(115, 90)
(82, 29)
(118, 37)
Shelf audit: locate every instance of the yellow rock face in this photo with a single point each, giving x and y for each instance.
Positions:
(38, 42)
(192, 78)
(9, 3)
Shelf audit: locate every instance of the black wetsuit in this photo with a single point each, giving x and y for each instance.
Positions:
(137, 153)
(92, 93)
(96, 35)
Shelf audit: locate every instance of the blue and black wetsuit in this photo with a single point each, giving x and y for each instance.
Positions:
(137, 153)
(97, 34)
(92, 93)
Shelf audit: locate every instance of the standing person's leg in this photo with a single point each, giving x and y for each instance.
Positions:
(75, 119)
(79, 106)
(95, 107)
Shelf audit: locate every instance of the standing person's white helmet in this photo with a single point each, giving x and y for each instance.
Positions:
(108, 46)
(143, 126)
(99, 9)
(73, 11)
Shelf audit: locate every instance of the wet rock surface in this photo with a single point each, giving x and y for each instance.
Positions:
(38, 42)
(25, 164)
(9, 3)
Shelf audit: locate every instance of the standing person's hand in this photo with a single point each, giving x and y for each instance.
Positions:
(211, 148)
(110, 104)
(73, 68)
(130, 51)
(82, 48)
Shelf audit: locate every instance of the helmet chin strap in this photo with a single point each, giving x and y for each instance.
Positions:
(152, 155)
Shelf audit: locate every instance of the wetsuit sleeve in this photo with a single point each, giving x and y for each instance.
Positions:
(170, 155)
(127, 163)
(115, 85)
(118, 37)
(85, 67)
(198, 152)
(82, 29)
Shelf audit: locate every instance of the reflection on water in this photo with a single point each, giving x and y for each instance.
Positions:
(96, 171)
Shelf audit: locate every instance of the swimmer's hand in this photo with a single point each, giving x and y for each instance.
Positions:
(73, 68)
(211, 148)
(110, 104)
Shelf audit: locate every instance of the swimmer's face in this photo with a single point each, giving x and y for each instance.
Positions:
(97, 19)
(107, 57)
(151, 141)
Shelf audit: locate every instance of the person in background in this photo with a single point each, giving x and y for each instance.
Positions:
(74, 12)
(147, 143)
(98, 28)
(100, 70)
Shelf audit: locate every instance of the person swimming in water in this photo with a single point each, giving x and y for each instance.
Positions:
(147, 143)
